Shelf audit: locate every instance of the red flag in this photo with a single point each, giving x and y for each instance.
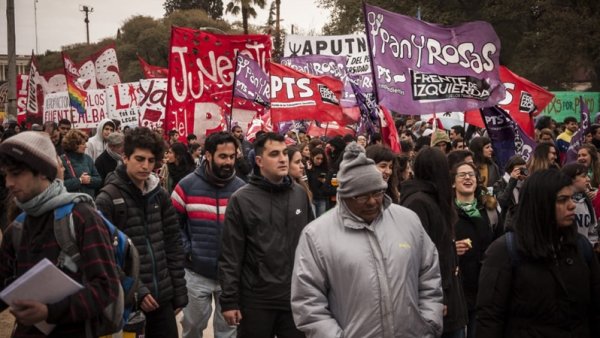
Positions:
(329, 129)
(152, 72)
(389, 133)
(301, 96)
(524, 99)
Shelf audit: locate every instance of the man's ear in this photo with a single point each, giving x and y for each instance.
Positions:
(258, 160)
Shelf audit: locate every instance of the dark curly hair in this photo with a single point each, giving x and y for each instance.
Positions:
(144, 138)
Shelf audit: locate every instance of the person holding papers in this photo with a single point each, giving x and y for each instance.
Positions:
(28, 161)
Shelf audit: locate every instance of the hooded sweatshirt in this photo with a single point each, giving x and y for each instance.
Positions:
(97, 144)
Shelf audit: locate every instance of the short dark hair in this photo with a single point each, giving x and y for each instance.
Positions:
(194, 146)
(458, 156)
(213, 140)
(349, 138)
(569, 119)
(64, 121)
(236, 127)
(458, 129)
(514, 161)
(574, 169)
(144, 138)
(172, 132)
(378, 153)
(191, 137)
(259, 145)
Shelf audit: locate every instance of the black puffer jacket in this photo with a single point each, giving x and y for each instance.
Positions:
(420, 196)
(531, 299)
(263, 222)
(151, 223)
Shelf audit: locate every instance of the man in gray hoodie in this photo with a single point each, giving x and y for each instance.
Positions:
(367, 268)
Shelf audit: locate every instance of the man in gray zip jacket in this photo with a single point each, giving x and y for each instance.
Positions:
(367, 268)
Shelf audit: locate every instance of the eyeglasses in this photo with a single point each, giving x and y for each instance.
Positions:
(462, 176)
(377, 195)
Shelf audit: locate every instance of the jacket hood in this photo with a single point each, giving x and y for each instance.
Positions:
(100, 127)
(413, 186)
(120, 178)
(267, 185)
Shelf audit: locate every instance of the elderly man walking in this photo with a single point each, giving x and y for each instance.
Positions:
(367, 268)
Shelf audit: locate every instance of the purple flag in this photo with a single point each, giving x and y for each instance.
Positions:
(423, 68)
(325, 65)
(579, 136)
(508, 139)
(251, 82)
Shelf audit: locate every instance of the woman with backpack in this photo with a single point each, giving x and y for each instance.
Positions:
(542, 280)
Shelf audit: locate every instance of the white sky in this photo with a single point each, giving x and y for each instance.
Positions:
(60, 23)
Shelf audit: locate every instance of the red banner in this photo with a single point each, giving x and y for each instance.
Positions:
(329, 129)
(389, 133)
(524, 99)
(152, 72)
(301, 96)
(201, 74)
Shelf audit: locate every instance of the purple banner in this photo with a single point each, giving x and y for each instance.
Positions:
(579, 137)
(251, 82)
(423, 68)
(325, 65)
(508, 139)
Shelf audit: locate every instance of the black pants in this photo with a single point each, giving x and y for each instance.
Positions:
(264, 323)
(161, 323)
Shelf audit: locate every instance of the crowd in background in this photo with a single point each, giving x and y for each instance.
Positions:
(448, 177)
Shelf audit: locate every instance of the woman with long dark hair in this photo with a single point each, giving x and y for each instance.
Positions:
(543, 280)
(318, 180)
(431, 197)
(544, 157)
(384, 159)
(297, 169)
(483, 153)
(179, 164)
(474, 231)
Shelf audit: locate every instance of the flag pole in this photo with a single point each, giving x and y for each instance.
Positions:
(369, 45)
(233, 91)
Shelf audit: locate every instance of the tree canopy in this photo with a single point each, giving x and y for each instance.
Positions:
(214, 8)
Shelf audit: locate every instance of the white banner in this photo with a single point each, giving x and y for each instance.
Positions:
(122, 103)
(152, 100)
(57, 107)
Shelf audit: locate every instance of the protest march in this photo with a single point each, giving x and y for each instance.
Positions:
(396, 181)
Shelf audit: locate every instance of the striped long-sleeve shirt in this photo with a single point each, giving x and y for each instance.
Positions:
(97, 264)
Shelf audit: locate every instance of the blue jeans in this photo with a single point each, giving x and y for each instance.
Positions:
(320, 207)
(196, 314)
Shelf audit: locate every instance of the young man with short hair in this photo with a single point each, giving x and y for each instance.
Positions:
(263, 222)
(29, 163)
(564, 139)
(134, 201)
(201, 200)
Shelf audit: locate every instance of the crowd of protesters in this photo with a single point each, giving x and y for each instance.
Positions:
(293, 236)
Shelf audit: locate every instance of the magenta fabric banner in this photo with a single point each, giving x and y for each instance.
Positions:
(423, 68)
(251, 82)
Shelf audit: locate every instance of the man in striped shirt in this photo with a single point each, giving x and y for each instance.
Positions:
(200, 200)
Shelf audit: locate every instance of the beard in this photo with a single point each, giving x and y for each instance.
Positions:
(223, 171)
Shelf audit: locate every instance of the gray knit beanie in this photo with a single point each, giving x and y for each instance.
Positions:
(358, 174)
(34, 149)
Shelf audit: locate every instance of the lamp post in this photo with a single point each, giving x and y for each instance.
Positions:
(87, 9)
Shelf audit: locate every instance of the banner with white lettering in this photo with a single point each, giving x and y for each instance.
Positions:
(122, 103)
(353, 46)
(201, 74)
(508, 138)
(423, 68)
(57, 107)
(152, 102)
(301, 96)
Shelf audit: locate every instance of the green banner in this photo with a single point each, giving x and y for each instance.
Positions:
(566, 104)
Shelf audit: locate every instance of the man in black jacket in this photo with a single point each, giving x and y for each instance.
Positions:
(263, 222)
(136, 203)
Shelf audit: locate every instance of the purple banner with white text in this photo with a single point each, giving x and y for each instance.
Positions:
(251, 82)
(423, 68)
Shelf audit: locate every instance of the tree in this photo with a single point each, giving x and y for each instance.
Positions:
(552, 43)
(244, 7)
(214, 8)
